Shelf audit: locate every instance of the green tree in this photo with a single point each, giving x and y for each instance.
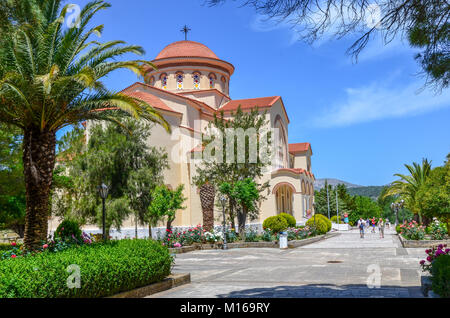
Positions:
(117, 155)
(408, 185)
(321, 201)
(165, 204)
(245, 193)
(231, 170)
(434, 195)
(424, 23)
(50, 78)
(12, 186)
(365, 208)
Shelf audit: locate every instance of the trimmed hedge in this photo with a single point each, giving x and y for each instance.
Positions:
(6, 246)
(440, 279)
(105, 270)
(289, 219)
(275, 223)
(68, 229)
(323, 224)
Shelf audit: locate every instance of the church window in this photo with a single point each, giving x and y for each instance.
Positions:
(196, 80)
(212, 79)
(179, 77)
(163, 81)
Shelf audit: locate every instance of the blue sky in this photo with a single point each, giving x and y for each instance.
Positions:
(364, 120)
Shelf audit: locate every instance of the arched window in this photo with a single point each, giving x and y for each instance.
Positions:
(179, 76)
(281, 160)
(196, 78)
(283, 199)
(151, 81)
(212, 79)
(163, 79)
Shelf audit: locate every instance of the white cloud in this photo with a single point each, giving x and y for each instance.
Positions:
(380, 100)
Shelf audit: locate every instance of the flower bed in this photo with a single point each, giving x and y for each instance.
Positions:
(197, 235)
(413, 235)
(260, 244)
(105, 269)
(437, 264)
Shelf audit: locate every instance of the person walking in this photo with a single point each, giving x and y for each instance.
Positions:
(361, 225)
(374, 222)
(387, 222)
(381, 227)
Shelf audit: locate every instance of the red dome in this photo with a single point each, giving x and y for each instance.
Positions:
(186, 49)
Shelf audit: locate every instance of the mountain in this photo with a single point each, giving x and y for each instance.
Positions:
(372, 192)
(320, 183)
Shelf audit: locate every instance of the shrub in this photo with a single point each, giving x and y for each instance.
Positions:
(231, 236)
(251, 235)
(275, 223)
(105, 269)
(68, 230)
(289, 219)
(412, 231)
(398, 229)
(432, 254)
(335, 220)
(7, 246)
(323, 224)
(267, 236)
(437, 230)
(440, 279)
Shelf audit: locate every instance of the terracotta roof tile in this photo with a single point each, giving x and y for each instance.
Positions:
(186, 49)
(299, 147)
(150, 99)
(249, 103)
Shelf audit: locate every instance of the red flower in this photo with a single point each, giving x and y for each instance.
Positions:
(13, 256)
(45, 245)
(13, 244)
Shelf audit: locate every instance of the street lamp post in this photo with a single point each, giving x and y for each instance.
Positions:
(223, 200)
(328, 201)
(103, 191)
(395, 206)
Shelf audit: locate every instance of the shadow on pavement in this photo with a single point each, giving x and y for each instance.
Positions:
(326, 291)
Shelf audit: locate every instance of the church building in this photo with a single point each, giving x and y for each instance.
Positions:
(190, 85)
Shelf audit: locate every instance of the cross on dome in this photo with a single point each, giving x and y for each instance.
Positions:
(185, 29)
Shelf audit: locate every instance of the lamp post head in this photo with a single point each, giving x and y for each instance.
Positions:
(223, 200)
(103, 191)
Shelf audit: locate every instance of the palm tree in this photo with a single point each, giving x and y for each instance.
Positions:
(207, 194)
(50, 78)
(408, 185)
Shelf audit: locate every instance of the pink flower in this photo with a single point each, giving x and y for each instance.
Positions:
(45, 245)
(177, 244)
(13, 244)
(429, 258)
(422, 262)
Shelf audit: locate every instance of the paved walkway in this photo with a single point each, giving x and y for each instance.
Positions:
(341, 266)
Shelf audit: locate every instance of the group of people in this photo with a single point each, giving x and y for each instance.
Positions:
(365, 224)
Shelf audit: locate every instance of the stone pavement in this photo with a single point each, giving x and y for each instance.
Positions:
(341, 266)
